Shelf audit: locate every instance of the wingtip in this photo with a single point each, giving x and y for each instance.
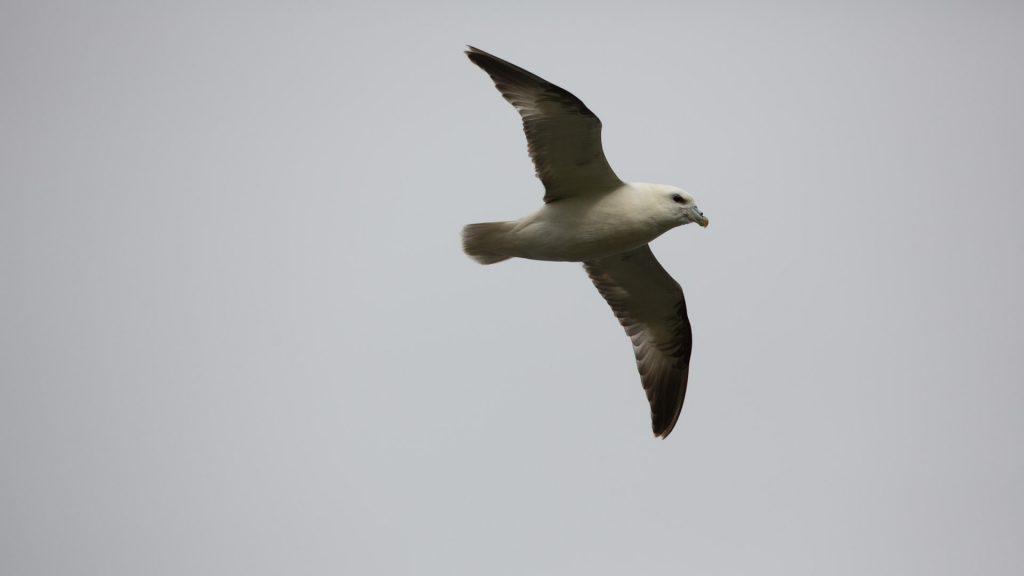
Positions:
(661, 429)
(473, 53)
(480, 57)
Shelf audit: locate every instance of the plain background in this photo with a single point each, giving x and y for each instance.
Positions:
(238, 334)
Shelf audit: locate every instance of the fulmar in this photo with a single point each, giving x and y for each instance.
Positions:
(591, 216)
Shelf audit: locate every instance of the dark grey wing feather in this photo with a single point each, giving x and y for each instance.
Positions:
(563, 135)
(650, 306)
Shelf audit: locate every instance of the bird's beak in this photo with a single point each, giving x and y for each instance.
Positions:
(698, 217)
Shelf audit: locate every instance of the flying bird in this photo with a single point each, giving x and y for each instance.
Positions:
(591, 216)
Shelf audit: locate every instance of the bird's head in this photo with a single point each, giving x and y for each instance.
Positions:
(680, 207)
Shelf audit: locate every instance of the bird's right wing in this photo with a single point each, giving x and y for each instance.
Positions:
(563, 135)
(650, 306)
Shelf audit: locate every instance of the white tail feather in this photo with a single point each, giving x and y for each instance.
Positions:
(487, 243)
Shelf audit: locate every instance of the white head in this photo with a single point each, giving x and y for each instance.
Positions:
(677, 206)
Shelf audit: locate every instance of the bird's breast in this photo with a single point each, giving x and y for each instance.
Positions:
(579, 232)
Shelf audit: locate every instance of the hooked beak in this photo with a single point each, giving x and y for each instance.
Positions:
(698, 217)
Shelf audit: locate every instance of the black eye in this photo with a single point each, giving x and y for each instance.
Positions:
(677, 198)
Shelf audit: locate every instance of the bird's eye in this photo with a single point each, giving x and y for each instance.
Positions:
(677, 198)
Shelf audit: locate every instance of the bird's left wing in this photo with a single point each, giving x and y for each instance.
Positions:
(563, 135)
(650, 306)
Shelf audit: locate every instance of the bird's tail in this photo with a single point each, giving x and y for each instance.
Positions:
(487, 243)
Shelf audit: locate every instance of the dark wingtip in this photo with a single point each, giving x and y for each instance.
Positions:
(474, 51)
(665, 417)
(664, 432)
(476, 55)
(484, 59)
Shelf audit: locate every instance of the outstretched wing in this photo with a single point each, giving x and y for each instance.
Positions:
(563, 135)
(650, 306)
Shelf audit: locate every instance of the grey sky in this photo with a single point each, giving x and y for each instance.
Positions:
(238, 334)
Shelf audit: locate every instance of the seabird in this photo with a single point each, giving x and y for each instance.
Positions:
(591, 216)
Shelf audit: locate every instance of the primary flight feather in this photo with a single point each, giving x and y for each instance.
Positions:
(591, 216)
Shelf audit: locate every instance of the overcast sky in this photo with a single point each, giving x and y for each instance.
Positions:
(238, 334)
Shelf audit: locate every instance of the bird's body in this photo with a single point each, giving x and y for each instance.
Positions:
(593, 217)
(586, 227)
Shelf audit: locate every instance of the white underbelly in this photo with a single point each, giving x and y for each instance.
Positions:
(578, 241)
